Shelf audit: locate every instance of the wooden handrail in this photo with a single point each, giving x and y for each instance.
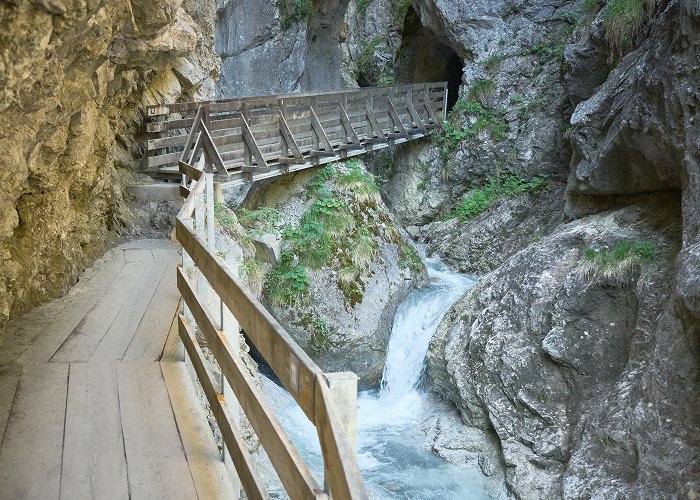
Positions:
(260, 137)
(304, 380)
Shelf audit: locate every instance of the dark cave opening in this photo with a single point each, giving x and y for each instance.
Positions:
(424, 57)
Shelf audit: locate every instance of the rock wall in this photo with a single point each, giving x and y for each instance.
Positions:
(587, 371)
(74, 78)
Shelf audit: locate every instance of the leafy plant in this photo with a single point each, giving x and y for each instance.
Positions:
(478, 200)
(261, 221)
(287, 282)
(318, 181)
(319, 339)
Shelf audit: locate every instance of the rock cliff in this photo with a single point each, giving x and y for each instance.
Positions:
(581, 350)
(74, 78)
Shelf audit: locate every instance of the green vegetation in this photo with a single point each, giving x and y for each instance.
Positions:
(224, 216)
(590, 6)
(409, 258)
(319, 339)
(481, 90)
(362, 6)
(401, 8)
(252, 272)
(339, 229)
(482, 119)
(478, 200)
(493, 63)
(372, 70)
(298, 12)
(617, 262)
(548, 52)
(287, 282)
(261, 221)
(622, 19)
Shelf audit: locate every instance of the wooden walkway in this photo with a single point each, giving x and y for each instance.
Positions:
(94, 402)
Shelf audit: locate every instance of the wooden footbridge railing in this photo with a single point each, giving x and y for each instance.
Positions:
(215, 304)
(261, 137)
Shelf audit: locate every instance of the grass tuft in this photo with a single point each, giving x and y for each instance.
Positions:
(622, 20)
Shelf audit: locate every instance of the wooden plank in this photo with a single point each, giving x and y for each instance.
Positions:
(164, 142)
(203, 457)
(350, 134)
(116, 341)
(164, 159)
(86, 336)
(30, 455)
(320, 133)
(94, 465)
(252, 144)
(291, 364)
(372, 119)
(160, 469)
(344, 476)
(235, 445)
(192, 136)
(288, 464)
(292, 146)
(190, 171)
(9, 377)
(138, 255)
(184, 191)
(396, 120)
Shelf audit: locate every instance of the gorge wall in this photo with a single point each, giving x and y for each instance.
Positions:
(74, 78)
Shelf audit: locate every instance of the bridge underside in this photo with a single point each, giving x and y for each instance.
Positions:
(256, 138)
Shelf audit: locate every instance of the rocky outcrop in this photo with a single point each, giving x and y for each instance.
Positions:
(344, 268)
(557, 354)
(74, 79)
(587, 369)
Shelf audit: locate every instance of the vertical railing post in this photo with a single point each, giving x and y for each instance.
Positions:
(343, 388)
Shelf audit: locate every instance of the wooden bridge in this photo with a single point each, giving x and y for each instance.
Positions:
(261, 137)
(98, 390)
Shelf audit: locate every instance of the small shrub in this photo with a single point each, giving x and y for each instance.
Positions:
(319, 339)
(481, 90)
(616, 263)
(493, 63)
(287, 282)
(318, 181)
(224, 216)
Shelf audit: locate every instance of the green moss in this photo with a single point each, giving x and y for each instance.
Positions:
(478, 200)
(590, 6)
(362, 6)
(401, 8)
(409, 258)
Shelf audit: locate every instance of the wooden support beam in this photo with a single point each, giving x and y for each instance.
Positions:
(429, 107)
(184, 191)
(252, 143)
(373, 122)
(350, 134)
(324, 143)
(289, 137)
(395, 119)
(415, 117)
(191, 137)
(212, 151)
(190, 171)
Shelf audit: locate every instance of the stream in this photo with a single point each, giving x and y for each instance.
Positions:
(390, 453)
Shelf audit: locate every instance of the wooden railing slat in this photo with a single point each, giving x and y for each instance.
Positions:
(235, 445)
(290, 467)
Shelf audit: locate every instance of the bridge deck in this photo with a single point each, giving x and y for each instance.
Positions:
(93, 400)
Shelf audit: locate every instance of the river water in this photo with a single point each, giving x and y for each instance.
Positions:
(393, 461)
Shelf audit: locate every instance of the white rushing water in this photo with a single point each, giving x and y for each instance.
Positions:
(390, 453)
